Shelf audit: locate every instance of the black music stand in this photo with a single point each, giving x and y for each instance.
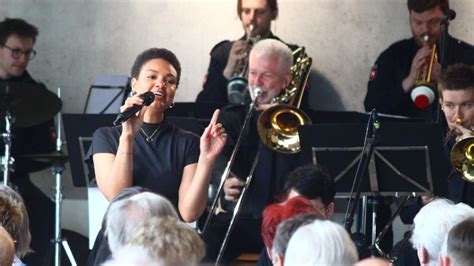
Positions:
(78, 132)
(408, 159)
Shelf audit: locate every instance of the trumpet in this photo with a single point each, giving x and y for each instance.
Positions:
(237, 85)
(451, 132)
(423, 92)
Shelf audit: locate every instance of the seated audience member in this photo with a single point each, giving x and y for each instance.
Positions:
(276, 213)
(372, 262)
(126, 216)
(321, 243)
(7, 248)
(100, 251)
(169, 241)
(314, 183)
(432, 224)
(283, 233)
(132, 256)
(23, 238)
(12, 216)
(459, 245)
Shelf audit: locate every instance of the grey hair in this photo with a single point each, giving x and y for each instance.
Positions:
(170, 241)
(23, 238)
(321, 242)
(131, 255)
(125, 216)
(433, 222)
(275, 48)
(287, 228)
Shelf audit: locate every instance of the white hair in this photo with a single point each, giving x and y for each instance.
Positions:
(276, 48)
(131, 256)
(433, 222)
(125, 216)
(321, 242)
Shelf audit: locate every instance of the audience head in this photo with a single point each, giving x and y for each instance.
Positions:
(23, 236)
(321, 242)
(432, 224)
(425, 19)
(169, 241)
(260, 13)
(269, 69)
(10, 214)
(284, 232)
(314, 183)
(459, 245)
(125, 216)
(131, 256)
(274, 214)
(456, 93)
(7, 248)
(17, 39)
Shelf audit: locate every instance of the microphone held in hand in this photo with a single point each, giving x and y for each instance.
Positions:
(148, 98)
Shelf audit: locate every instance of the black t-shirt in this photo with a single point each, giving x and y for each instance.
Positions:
(158, 165)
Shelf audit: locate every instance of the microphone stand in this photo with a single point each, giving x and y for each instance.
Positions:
(370, 142)
(443, 48)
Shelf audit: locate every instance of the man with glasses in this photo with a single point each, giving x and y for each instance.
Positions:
(17, 39)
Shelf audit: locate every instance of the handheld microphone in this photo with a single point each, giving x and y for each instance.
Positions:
(148, 98)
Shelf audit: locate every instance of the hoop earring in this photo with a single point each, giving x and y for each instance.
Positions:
(171, 105)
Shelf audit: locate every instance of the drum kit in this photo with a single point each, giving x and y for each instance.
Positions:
(24, 105)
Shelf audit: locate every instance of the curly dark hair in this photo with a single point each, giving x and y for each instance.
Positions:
(155, 53)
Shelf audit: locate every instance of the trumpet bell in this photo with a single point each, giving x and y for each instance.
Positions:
(462, 158)
(278, 128)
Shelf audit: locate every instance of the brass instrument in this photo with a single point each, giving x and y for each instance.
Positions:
(278, 125)
(237, 85)
(424, 86)
(462, 156)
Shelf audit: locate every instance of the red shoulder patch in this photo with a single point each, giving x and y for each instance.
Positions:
(373, 73)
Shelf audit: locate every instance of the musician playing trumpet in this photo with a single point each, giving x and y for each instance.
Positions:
(227, 57)
(394, 74)
(457, 103)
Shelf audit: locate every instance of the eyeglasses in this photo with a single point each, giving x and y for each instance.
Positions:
(17, 52)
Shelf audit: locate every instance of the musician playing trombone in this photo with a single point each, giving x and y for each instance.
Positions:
(457, 103)
(394, 74)
(269, 71)
(227, 56)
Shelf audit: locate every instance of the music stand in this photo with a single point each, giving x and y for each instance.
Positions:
(408, 159)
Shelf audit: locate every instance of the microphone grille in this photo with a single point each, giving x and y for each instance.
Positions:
(148, 97)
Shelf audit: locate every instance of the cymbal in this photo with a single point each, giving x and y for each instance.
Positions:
(29, 103)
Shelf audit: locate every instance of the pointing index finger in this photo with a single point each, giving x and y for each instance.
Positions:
(214, 117)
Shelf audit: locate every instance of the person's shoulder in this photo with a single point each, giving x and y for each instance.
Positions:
(398, 49)
(182, 133)
(221, 46)
(108, 131)
(462, 44)
(292, 46)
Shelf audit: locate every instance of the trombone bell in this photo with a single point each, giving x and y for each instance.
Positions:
(462, 158)
(278, 127)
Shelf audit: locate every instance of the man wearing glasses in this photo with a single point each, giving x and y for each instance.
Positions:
(17, 38)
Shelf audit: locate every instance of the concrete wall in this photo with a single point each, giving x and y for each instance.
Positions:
(81, 39)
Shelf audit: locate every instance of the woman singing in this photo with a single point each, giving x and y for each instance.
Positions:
(148, 151)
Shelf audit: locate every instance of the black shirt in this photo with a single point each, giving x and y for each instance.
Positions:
(157, 166)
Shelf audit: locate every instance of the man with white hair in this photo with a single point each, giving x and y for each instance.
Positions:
(269, 71)
(321, 242)
(432, 224)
